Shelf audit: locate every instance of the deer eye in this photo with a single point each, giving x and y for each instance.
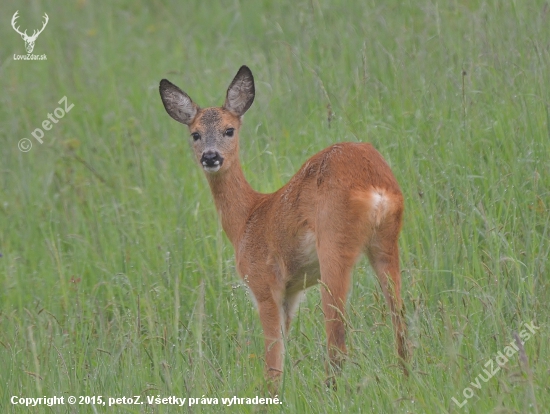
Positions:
(229, 132)
(196, 136)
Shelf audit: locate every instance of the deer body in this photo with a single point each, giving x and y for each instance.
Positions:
(343, 202)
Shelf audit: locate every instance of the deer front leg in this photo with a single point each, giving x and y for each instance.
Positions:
(270, 315)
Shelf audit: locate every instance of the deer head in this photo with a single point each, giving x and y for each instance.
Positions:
(29, 40)
(215, 131)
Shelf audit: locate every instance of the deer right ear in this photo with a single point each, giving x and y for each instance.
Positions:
(177, 103)
(240, 93)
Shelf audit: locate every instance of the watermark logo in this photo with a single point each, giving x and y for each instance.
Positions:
(501, 358)
(29, 40)
(25, 144)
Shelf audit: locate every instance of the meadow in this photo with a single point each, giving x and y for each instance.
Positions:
(117, 279)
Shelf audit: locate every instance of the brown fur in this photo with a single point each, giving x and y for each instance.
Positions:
(343, 202)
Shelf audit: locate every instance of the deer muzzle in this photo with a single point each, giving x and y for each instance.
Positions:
(211, 161)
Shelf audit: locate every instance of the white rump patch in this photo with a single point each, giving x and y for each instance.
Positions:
(379, 206)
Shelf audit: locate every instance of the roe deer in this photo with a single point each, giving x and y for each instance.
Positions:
(344, 201)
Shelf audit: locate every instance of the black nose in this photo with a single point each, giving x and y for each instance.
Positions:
(211, 159)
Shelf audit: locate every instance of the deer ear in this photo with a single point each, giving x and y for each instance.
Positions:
(240, 93)
(177, 103)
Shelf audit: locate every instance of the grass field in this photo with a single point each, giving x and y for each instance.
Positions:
(116, 277)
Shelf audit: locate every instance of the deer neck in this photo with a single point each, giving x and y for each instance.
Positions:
(234, 199)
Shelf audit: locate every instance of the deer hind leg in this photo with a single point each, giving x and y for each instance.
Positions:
(340, 241)
(336, 261)
(383, 254)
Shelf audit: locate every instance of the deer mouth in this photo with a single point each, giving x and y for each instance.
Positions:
(213, 169)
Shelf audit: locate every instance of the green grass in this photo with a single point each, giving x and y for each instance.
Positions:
(116, 279)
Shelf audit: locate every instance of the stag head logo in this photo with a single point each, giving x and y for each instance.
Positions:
(29, 40)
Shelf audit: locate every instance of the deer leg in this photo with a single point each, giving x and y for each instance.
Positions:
(271, 318)
(336, 271)
(383, 255)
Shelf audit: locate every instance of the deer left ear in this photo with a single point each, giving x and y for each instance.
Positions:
(177, 103)
(241, 92)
